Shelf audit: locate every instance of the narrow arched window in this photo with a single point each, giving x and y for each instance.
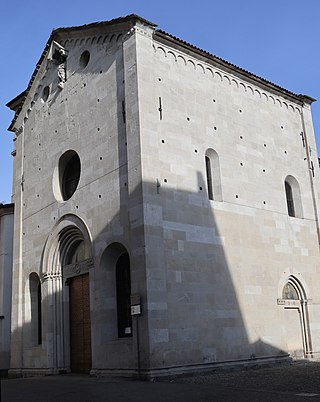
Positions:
(290, 203)
(35, 305)
(209, 178)
(293, 197)
(123, 284)
(213, 175)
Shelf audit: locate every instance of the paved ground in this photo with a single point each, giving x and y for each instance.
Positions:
(295, 382)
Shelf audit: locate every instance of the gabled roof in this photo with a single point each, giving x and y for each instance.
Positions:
(17, 103)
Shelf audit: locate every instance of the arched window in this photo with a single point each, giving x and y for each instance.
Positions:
(123, 285)
(213, 175)
(35, 304)
(293, 197)
(209, 178)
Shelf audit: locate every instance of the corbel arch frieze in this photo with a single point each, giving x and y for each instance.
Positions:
(56, 56)
(181, 60)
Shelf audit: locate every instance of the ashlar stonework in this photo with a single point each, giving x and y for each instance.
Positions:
(146, 166)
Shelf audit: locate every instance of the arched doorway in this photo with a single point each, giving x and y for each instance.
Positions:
(66, 263)
(296, 319)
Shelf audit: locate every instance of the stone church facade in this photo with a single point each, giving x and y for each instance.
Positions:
(148, 172)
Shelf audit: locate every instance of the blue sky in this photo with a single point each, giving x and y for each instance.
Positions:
(275, 39)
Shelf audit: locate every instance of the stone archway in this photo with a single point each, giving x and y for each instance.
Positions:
(296, 318)
(67, 260)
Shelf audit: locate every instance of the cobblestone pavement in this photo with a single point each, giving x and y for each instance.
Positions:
(294, 382)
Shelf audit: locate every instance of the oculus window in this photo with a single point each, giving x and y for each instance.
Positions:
(66, 176)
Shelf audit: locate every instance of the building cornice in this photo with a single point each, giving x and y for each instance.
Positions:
(181, 45)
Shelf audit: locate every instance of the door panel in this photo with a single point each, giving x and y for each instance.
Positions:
(80, 325)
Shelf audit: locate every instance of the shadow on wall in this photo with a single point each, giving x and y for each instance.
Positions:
(194, 311)
(191, 316)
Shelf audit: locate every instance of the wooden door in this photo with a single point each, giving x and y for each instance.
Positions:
(80, 325)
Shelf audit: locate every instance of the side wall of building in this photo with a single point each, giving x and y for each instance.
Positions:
(216, 268)
(210, 256)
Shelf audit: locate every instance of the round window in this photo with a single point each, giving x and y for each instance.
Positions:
(66, 176)
(84, 59)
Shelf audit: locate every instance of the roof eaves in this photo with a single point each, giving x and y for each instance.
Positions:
(16, 101)
(6, 209)
(162, 35)
(24, 94)
(128, 18)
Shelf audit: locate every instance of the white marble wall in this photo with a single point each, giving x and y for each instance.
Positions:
(209, 272)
